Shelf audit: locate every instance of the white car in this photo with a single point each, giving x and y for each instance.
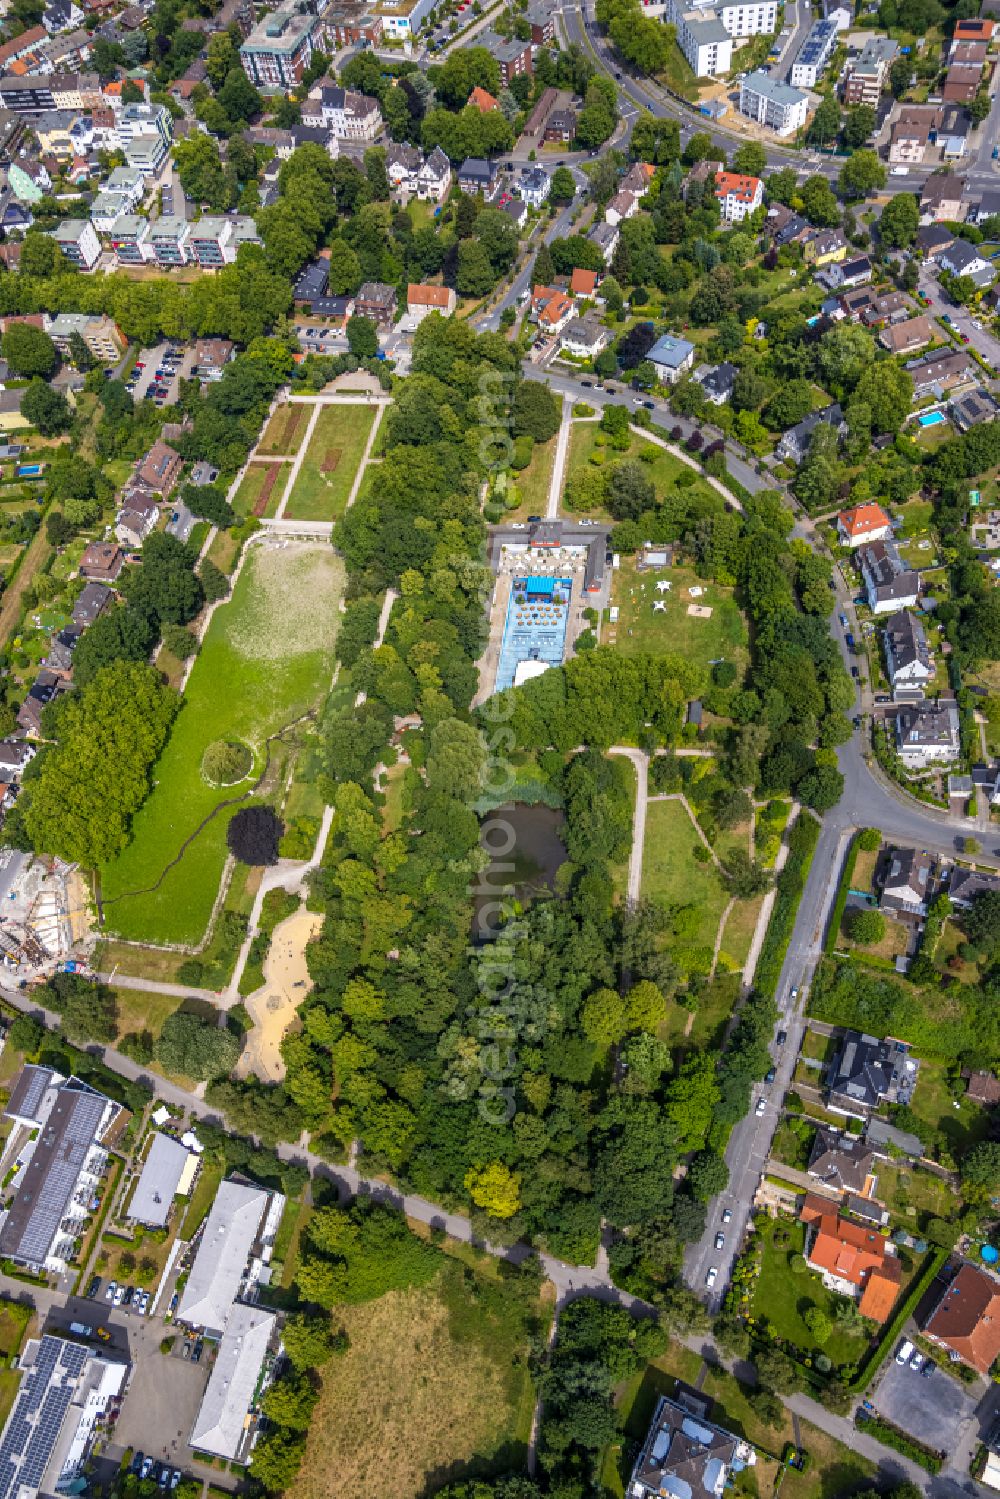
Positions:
(904, 1351)
(712, 1276)
(720, 1241)
(761, 1106)
(899, 172)
(917, 1361)
(727, 1216)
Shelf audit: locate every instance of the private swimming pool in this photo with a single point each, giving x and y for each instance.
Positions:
(931, 419)
(535, 627)
(30, 470)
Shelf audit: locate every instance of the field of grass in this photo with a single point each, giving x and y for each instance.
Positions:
(934, 1101)
(252, 485)
(266, 660)
(914, 1196)
(533, 481)
(201, 1199)
(671, 873)
(437, 1378)
(14, 1317)
(781, 1296)
(893, 944)
(142, 1010)
(285, 432)
(328, 470)
(834, 1469)
(640, 629)
(741, 924)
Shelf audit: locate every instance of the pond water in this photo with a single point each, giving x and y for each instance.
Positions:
(526, 846)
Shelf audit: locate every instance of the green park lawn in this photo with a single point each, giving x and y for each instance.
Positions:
(781, 1297)
(254, 483)
(331, 462)
(670, 871)
(266, 660)
(640, 629)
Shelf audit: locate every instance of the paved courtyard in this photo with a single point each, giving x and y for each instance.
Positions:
(933, 1409)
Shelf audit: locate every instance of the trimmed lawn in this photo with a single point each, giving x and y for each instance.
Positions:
(833, 1471)
(670, 872)
(285, 431)
(533, 481)
(331, 463)
(781, 1297)
(201, 1199)
(641, 629)
(914, 1195)
(734, 1412)
(934, 1100)
(716, 1003)
(266, 660)
(257, 482)
(741, 924)
(893, 945)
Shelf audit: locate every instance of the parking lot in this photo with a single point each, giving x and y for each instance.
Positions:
(158, 371)
(933, 1409)
(163, 1396)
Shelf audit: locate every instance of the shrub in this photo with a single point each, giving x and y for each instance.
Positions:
(870, 839)
(253, 835)
(226, 761)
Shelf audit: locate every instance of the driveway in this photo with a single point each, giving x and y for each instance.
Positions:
(933, 1410)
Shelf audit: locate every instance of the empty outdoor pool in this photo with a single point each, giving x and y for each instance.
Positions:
(931, 419)
(535, 627)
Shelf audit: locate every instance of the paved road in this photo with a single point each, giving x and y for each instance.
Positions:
(598, 396)
(981, 339)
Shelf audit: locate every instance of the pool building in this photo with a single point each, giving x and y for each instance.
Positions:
(534, 636)
(547, 573)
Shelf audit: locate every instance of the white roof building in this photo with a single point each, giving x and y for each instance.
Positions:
(221, 1426)
(159, 1182)
(242, 1219)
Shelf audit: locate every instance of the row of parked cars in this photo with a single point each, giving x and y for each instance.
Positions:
(907, 1354)
(165, 1476)
(124, 1296)
(163, 375)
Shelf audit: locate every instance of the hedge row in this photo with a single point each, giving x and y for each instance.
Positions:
(843, 890)
(802, 840)
(891, 1436)
(873, 1363)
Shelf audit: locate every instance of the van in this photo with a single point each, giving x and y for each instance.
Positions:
(905, 1350)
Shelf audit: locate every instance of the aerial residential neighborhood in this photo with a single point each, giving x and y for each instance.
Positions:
(499, 749)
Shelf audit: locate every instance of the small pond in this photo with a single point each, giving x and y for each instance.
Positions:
(526, 846)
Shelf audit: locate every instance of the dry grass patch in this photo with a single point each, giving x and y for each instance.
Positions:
(409, 1387)
(284, 432)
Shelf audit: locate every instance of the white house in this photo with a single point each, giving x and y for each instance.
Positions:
(434, 177)
(927, 734)
(534, 186)
(738, 195)
(863, 524)
(584, 337)
(671, 358)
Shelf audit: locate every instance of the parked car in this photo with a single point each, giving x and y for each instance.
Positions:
(94, 1287)
(137, 1462)
(917, 1361)
(186, 1350)
(904, 1351)
(712, 1276)
(720, 1241)
(109, 1291)
(855, 674)
(771, 1075)
(782, 1036)
(727, 1215)
(175, 1478)
(147, 1467)
(928, 1369)
(761, 1106)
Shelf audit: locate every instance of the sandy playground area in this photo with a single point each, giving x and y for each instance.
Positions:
(272, 1007)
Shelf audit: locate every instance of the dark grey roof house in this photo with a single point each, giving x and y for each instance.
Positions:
(867, 1072)
(906, 880)
(840, 1160)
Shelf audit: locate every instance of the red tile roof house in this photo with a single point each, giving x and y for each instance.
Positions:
(853, 1259)
(966, 1320)
(556, 313)
(865, 523)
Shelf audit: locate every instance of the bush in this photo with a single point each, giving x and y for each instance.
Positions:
(870, 839)
(226, 761)
(798, 1264)
(865, 926)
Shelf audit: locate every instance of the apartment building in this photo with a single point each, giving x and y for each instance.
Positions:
(780, 107)
(348, 116)
(278, 50)
(100, 333)
(77, 239)
(403, 18)
(215, 240)
(868, 73)
(700, 27)
(129, 239)
(815, 53)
